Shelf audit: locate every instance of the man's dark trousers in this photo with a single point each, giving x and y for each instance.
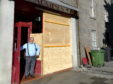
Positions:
(29, 66)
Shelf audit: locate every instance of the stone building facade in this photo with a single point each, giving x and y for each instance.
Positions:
(93, 17)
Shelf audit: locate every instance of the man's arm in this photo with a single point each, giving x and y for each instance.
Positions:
(23, 47)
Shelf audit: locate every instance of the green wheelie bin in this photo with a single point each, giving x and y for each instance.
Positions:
(97, 57)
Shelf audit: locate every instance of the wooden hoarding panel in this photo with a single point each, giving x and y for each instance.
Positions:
(57, 52)
(55, 18)
(56, 59)
(56, 34)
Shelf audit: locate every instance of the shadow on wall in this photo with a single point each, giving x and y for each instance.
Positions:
(108, 40)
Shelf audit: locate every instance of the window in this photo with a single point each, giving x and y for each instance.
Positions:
(106, 16)
(93, 5)
(37, 25)
(93, 39)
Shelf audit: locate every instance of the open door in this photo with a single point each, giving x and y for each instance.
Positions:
(16, 50)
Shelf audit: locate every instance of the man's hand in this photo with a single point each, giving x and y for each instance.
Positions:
(37, 56)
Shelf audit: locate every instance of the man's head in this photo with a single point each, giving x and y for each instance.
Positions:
(31, 40)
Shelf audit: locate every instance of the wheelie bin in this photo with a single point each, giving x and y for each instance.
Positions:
(107, 57)
(97, 57)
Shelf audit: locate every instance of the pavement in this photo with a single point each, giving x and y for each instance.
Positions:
(75, 77)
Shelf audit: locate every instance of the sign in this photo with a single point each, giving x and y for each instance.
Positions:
(50, 5)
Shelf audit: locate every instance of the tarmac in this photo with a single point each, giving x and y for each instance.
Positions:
(75, 77)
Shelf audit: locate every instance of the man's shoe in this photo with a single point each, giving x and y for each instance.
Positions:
(32, 76)
(26, 77)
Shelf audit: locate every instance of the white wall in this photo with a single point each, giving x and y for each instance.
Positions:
(6, 40)
(74, 43)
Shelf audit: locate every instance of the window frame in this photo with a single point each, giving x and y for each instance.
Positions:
(92, 10)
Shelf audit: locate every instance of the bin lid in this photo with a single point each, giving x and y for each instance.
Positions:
(96, 51)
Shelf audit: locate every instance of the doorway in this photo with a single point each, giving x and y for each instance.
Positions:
(21, 37)
(24, 39)
(22, 32)
(26, 13)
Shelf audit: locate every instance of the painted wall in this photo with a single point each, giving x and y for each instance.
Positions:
(87, 23)
(6, 40)
(75, 56)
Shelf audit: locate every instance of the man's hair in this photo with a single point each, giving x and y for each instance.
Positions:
(32, 38)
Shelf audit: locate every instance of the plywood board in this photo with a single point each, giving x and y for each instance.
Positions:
(56, 34)
(57, 54)
(55, 18)
(56, 59)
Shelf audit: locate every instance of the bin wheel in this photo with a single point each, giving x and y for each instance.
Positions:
(103, 64)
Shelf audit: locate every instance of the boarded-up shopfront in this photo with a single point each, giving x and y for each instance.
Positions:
(56, 43)
(51, 26)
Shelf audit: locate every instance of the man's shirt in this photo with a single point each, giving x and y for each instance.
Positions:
(31, 49)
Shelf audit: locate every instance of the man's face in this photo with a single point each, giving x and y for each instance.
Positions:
(31, 40)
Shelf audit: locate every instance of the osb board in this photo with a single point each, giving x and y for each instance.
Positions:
(38, 40)
(55, 18)
(56, 59)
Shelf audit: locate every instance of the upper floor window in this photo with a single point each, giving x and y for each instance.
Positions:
(93, 5)
(106, 16)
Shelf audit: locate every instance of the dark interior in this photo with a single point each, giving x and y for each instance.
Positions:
(35, 19)
(24, 39)
(25, 11)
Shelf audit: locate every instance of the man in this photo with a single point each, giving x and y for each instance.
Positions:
(32, 50)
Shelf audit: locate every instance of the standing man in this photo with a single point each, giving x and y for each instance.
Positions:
(32, 51)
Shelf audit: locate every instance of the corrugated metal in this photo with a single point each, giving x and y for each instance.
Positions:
(63, 4)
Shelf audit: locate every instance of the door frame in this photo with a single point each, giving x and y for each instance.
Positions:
(16, 53)
(75, 58)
